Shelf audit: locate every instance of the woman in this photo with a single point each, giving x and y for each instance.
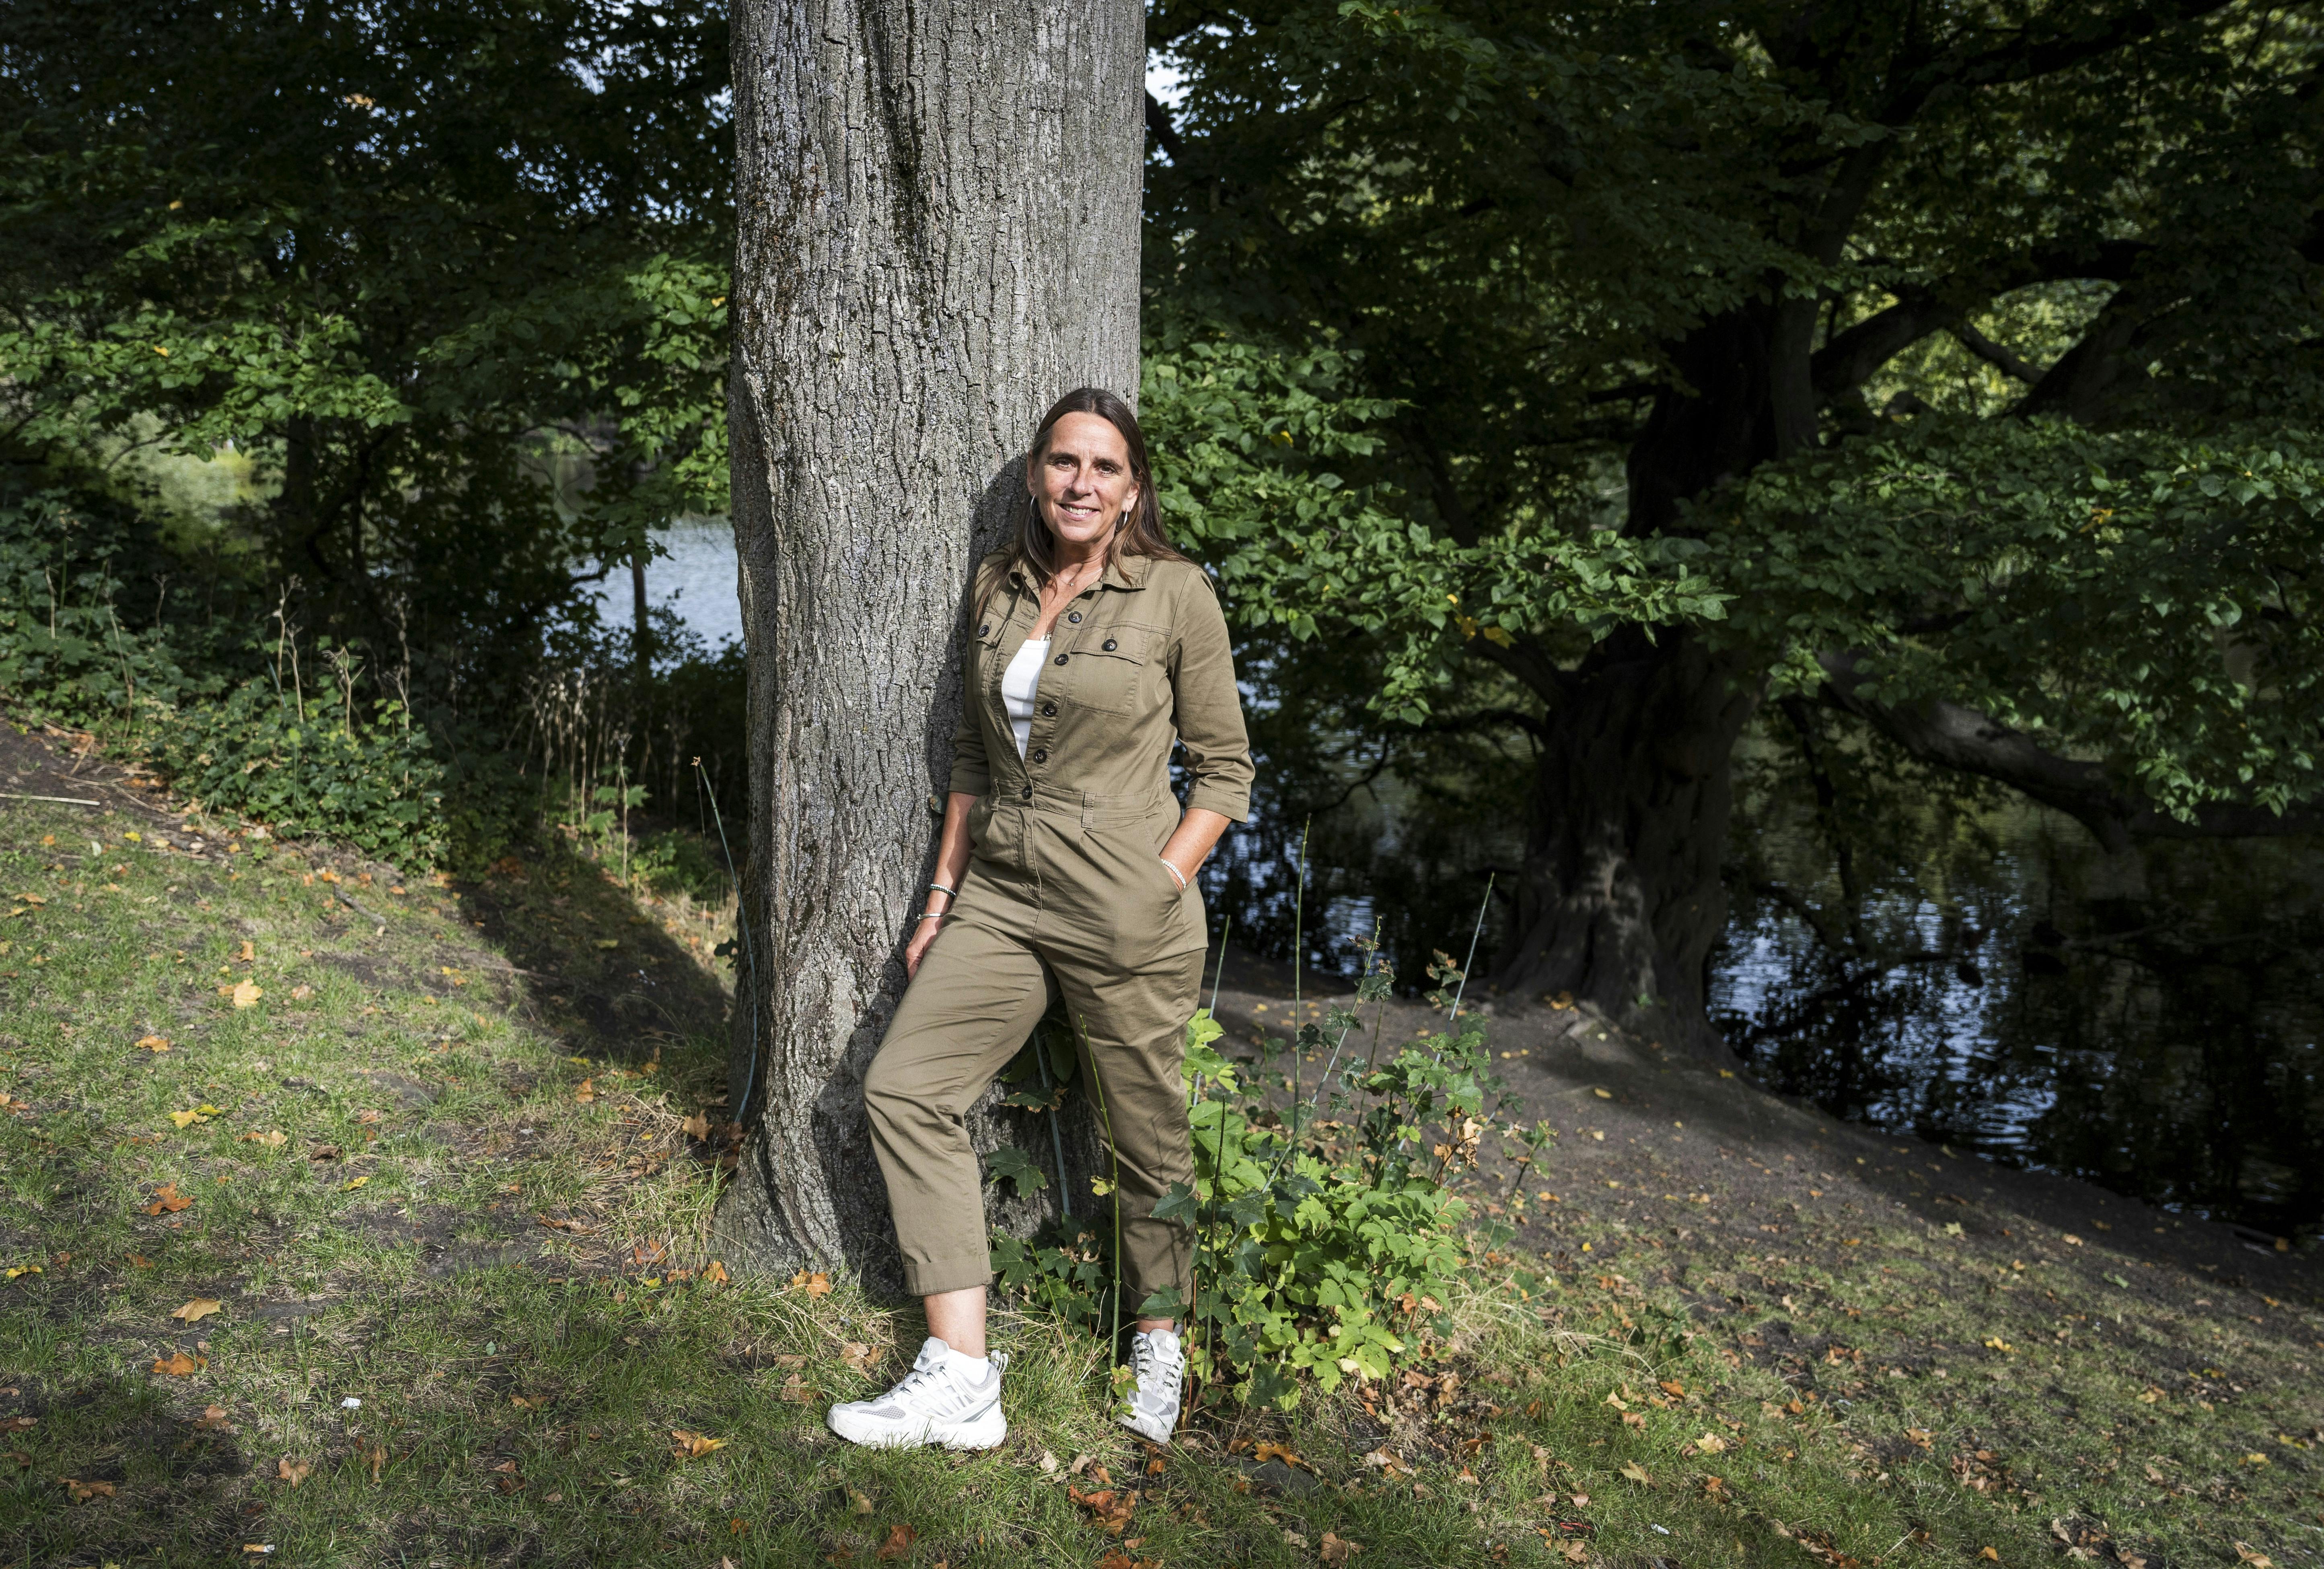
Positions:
(1065, 869)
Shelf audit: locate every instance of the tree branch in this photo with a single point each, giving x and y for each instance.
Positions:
(1951, 736)
(1993, 354)
(1164, 129)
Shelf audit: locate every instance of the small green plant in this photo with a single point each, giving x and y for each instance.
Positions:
(1327, 1242)
(375, 784)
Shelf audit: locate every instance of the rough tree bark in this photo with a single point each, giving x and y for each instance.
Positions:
(937, 206)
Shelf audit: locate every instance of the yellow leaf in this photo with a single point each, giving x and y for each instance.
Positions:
(186, 1118)
(1602, 1094)
(17, 1270)
(271, 1138)
(247, 994)
(199, 1308)
(1995, 1342)
(353, 1183)
(1638, 1474)
(698, 1126)
(293, 1471)
(693, 1445)
(1712, 1444)
(154, 1043)
(178, 1365)
(713, 1273)
(249, 952)
(818, 1284)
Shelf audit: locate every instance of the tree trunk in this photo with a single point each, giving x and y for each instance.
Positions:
(938, 207)
(1619, 902)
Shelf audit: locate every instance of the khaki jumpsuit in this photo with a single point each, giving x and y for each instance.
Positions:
(1066, 895)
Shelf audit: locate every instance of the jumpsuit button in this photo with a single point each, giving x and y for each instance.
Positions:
(1076, 617)
(982, 630)
(1029, 793)
(1110, 645)
(1040, 754)
(1061, 658)
(1048, 710)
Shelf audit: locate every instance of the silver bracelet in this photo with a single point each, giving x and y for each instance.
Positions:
(931, 915)
(940, 888)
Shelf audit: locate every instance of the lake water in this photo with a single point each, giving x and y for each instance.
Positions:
(2151, 1024)
(697, 579)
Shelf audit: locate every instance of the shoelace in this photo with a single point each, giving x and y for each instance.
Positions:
(1146, 1358)
(916, 1379)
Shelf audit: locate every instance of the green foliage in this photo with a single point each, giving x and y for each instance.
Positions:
(371, 781)
(1327, 1243)
(1462, 306)
(2166, 591)
(1252, 437)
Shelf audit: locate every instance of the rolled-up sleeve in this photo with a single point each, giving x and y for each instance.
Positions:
(971, 775)
(1208, 706)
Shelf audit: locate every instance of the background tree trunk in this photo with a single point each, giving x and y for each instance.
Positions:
(937, 216)
(1620, 900)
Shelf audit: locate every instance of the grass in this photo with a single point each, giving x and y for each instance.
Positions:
(465, 1315)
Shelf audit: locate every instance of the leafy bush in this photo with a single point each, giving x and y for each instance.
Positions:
(374, 784)
(1326, 1241)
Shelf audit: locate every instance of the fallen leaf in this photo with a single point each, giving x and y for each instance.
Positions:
(713, 1273)
(817, 1284)
(898, 1543)
(199, 1308)
(698, 1126)
(179, 1365)
(1712, 1444)
(585, 1090)
(293, 1471)
(1638, 1474)
(186, 1118)
(1266, 1451)
(18, 1424)
(2244, 1553)
(82, 1492)
(271, 1139)
(140, 1261)
(1338, 1550)
(1990, 1553)
(1673, 1389)
(154, 1043)
(247, 994)
(859, 1356)
(1110, 1511)
(301, 991)
(693, 1445)
(376, 1458)
(213, 1420)
(353, 1183)
(1580, 1500)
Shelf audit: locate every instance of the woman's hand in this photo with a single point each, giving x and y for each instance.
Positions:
(918, 949)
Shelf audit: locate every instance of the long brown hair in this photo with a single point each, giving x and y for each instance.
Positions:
(1034, 552)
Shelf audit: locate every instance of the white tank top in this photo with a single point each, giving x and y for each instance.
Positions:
(1019, 684)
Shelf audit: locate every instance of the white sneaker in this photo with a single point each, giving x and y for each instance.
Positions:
(940, 1402)
(1151, 1409)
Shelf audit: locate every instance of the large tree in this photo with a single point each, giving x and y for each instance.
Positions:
(937, 234)
(1948, 367)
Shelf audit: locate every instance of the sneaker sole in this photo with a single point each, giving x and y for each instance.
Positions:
(988, 1430)
(1138, 1425)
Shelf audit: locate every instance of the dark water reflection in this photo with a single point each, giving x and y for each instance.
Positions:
(2150, 1022)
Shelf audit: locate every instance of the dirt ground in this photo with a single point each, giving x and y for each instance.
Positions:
(1745, 1167)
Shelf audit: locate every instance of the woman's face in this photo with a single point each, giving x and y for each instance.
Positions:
(1081, 480)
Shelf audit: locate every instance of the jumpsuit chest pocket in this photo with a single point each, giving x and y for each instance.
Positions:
(1106, 668)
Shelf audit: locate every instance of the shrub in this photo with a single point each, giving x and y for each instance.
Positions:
(1326, 1241)
(374, 784)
